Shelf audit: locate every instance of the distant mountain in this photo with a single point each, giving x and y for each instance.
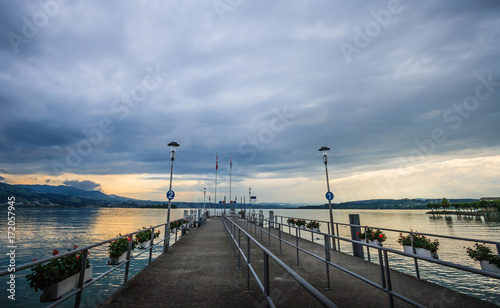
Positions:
(417, 203)
(65, 196)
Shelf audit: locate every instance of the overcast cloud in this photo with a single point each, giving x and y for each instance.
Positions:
(406, 94)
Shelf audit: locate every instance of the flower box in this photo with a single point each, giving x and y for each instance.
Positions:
(376, 242)
(421, 252)
(490, 267)
(56, 290)
(144, 245)
(316, 229)
(118, 260)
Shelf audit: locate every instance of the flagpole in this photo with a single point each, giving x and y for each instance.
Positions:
(216, 167)
(230, 171)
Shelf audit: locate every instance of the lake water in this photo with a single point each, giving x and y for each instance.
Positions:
(40, 230)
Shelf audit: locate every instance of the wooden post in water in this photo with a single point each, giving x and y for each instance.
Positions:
(357, 249)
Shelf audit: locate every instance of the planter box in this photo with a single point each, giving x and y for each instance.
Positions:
(118, 260)
(303, 227)
(421, 252)
(144, 245)
(376, 242)
(56, 290)
(490, 267)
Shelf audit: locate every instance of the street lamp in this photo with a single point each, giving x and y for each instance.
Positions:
(204, 196)
(170, 196)
(329, 194)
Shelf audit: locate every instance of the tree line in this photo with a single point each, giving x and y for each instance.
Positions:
(483, 205)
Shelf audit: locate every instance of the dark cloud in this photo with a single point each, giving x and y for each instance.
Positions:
(83, 185)
(223, 85)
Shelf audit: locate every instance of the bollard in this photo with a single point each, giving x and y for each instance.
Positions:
(357, 249)
(261, 217)
(271, 219)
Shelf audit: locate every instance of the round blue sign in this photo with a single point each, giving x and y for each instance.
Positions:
(329, 195)
(170, 195)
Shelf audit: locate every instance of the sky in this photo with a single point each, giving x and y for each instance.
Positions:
(405, 94)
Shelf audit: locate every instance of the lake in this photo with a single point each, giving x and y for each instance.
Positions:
(40, 230)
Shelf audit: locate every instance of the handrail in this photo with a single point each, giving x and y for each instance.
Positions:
(85, 249)
(381, 251)
(268, 254)
(404, 231)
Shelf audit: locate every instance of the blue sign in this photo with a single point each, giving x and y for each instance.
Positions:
(170, 195)
(220, 202)
(329, 195)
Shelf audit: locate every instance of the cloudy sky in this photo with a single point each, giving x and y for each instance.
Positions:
(406, 94)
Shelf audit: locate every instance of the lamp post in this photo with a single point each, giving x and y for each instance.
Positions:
(204, 196)
(170, 196)
(329, 194)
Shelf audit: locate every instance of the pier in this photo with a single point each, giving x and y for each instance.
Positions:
(207, 269)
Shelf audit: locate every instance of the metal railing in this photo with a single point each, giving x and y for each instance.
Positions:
(232, 228)
(82, 285)
(384, 265)
(411, 233)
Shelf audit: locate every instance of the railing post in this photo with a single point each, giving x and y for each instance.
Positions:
(151, 245)
(279, 236)
(269, 234)
(414, 250)
(127, 266)
(297, 245)
(239, 252)
(248, 263)
(81, 278)
(327, 258)
(267, 289)
(338, 234)
(388, 279)
(381, 265)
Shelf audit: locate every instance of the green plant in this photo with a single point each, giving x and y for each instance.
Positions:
(43, 275)
(419, 241)
(291, 221)
(145, 235)
(483, 253)
(313, 224)
(372, 235)
(118, 247)
(300, 222)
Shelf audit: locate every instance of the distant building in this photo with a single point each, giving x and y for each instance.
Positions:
(489, 199)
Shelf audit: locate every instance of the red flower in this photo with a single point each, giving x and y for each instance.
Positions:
(33, 260)
(88, 253)
(357, 232)
(373, 233)
(77, 257)
(129, 238)
(55, 252)
(381, 235)
(75, 247)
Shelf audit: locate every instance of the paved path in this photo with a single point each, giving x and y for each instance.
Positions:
(200, 271)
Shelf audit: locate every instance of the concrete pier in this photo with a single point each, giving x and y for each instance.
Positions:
(201, 271)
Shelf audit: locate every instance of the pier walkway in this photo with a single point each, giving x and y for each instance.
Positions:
(201, 271)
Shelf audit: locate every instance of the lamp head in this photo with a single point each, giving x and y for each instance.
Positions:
(172, 146)
(325, 149)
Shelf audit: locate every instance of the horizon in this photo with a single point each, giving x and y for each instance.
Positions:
(405, 94)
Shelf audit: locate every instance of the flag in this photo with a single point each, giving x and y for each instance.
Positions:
(231, 161)
(216, 161)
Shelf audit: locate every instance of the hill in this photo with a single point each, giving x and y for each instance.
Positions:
(418, 203)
